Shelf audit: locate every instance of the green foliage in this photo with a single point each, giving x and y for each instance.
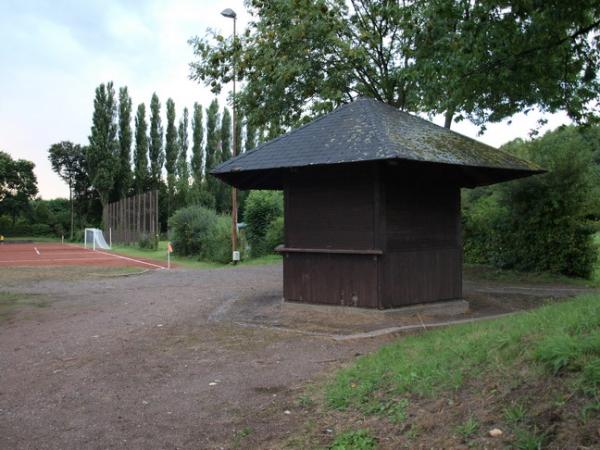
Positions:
(515, 414)
(212, 185)
(69, 162)
(155, 147)
(565, 335)
(191, 230)
(183, 167)
(468, 428)
(529, 440)
(124, 178)
(463, 59)
(140, 157)
(354, 440)
(197, 149)
(199, 231)
(250, 137)
(262, 208)
(274, 234)
(148, 242)
(218, 247)
(43, 218)
(223, 192)
(102, 154)
(539, 223)
(18, 185)
(171, 151)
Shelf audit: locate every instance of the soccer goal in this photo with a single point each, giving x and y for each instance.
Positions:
(93, 238)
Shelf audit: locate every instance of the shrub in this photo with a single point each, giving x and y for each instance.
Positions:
(538, 223)
(218, 247)
(261, 208)
(199, 231)
(274, 235)
(192, 228)
(40, 229)
(147, 241)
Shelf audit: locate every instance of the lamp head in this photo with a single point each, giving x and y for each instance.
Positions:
(229, 13)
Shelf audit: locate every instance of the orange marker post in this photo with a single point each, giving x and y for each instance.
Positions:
(169, 251)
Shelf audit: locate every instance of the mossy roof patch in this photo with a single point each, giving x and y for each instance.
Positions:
(370, 130)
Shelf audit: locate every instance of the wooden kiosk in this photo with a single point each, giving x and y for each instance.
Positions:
(372, 204)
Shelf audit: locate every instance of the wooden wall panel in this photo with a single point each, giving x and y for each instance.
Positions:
(423, 249)
(421, 276)
(330, 211)
(333, 279)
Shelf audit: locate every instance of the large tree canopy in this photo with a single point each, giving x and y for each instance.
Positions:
(18, 184)
(68, 161)
(483, 60)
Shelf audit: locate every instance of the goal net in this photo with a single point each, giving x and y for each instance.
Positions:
(93, 238)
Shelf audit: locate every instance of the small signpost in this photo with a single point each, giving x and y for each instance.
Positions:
(169, 251)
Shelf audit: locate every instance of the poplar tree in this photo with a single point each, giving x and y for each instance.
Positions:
(123, 180)
(212, 147)
(171, 154)
(155, 148)
(238, 135)
(102, 154)
(223, 197)
(250, 137)
(183, 170)
(140, 157)
(197, 149)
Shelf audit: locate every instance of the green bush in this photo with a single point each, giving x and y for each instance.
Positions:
(218, 248)
(41, 229)
(199, 231)
(274, 235)
(192, 228)
(148, 242)
(261, 208)
(540, 223)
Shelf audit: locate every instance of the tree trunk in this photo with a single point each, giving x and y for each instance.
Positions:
(448, 118)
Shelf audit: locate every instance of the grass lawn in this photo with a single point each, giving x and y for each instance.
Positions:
(534, 376)
(190, 262)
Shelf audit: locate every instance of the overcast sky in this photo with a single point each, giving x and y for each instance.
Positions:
(53, 54)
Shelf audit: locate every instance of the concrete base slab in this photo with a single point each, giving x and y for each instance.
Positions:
(443, 308)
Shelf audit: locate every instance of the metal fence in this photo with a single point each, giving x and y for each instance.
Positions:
(132, 218)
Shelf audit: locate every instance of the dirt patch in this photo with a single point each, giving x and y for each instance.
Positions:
(166, 359)
(27, 276)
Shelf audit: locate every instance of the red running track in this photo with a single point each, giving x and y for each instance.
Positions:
(50, 254)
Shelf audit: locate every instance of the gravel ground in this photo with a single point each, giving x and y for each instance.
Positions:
(177, 359)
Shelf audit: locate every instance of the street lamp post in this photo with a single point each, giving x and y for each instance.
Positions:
(235, 255)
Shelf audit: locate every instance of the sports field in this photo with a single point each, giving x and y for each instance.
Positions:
(19, 254)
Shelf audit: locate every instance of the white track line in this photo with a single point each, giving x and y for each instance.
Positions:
(36, 250)
(114, 256)
(130, 259)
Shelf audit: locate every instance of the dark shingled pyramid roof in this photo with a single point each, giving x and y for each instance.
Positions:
(369, 130)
